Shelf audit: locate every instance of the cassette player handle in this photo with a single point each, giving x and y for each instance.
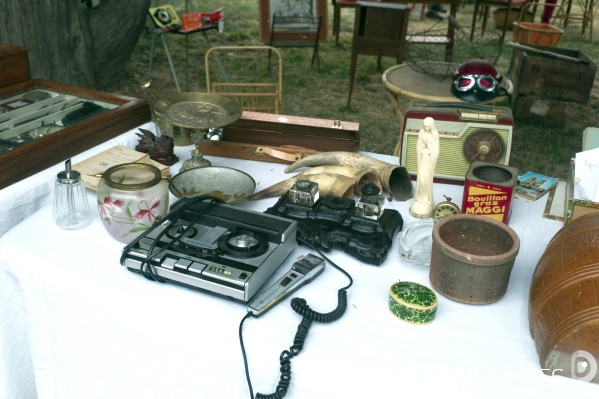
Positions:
(476, 107)
(301, 273)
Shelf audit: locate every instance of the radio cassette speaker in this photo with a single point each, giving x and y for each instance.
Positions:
(164, 16)
(467, 133)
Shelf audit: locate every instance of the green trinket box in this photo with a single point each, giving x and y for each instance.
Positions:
(412, 302)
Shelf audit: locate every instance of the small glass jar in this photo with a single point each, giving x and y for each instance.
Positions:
(131, 197)
(416, 242)
(70, 210)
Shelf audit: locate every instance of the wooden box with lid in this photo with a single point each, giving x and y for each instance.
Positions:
(282, 138)
(548, 77)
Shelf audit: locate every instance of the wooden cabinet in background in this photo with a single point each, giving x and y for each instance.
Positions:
(14, 65)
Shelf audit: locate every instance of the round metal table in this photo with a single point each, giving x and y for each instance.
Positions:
(404, 84)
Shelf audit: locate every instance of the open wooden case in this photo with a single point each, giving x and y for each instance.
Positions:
(279, 138)
(43, 123)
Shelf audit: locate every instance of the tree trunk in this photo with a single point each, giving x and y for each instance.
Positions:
(85, 43)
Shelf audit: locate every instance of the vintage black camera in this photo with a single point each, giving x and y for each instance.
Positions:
(363, 228)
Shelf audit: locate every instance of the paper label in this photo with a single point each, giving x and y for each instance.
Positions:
(540, 107)
(487, 200)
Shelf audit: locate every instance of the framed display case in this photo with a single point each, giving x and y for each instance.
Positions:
(298, 8)
(43, 123)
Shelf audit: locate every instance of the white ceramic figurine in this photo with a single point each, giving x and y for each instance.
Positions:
(427, 153)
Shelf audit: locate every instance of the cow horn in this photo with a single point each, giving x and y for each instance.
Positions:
(328, 184)
(362, 177)
(394, 178)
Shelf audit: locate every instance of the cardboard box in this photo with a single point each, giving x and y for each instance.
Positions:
(542, 76)
(282, 138)
(540, 110)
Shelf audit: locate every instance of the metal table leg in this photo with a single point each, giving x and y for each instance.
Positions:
(170, 61)
(217, 60)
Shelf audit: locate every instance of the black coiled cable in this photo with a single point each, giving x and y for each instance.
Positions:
(301, 307)
(285, 360)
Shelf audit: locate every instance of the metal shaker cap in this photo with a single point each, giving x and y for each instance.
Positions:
(68, 176)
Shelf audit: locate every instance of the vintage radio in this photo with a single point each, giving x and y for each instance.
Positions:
(467, 133)
(165, 16)
(281, 138)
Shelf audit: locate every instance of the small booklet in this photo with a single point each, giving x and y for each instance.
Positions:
(533, 185)
(91, 168)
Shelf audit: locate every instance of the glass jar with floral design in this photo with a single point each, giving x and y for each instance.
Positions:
(131, 197)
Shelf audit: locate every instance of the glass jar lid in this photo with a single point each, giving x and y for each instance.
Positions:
(132, 176)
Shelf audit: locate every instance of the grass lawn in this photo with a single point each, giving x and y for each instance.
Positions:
(323, 94)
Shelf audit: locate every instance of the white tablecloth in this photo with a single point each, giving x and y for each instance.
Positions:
(74, 323)
(27, 196)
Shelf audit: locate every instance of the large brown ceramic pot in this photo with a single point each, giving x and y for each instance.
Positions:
(563, 305)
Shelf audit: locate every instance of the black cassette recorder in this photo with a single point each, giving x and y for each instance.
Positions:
(214, 247)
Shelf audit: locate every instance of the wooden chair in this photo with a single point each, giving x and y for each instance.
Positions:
(484, 6)
(296, 32)
(257, 97)
(586, 15)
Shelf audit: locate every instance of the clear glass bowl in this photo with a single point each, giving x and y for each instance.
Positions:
(416, 241)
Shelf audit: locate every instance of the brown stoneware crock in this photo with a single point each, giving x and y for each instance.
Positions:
(472, 258)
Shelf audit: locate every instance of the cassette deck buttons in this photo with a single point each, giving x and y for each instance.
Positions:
(182, 265)
(195, 269)
(169, 263)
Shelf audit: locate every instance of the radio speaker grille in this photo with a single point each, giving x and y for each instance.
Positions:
(452, 162)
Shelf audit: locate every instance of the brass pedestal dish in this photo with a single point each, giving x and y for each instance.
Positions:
(180, 115)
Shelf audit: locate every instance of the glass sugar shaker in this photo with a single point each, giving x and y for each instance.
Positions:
(71, 209)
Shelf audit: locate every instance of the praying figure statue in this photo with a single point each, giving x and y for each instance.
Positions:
(427, 153)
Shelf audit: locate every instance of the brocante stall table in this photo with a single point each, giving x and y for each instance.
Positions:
(74, 323)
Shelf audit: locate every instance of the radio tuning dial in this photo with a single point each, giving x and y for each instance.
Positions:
(483, 145)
